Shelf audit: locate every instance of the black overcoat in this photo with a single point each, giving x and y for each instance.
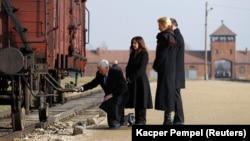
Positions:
(115, 85)
(139, 89)
(165, 66)
(180, 51)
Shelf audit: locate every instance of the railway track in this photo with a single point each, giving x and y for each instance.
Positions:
(76, 103)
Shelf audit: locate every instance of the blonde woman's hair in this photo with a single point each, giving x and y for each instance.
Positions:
(165, 21)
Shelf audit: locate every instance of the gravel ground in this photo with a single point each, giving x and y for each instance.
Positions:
(205, 102)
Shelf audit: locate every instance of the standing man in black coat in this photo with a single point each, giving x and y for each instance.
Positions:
(180, 74)
(115, 88)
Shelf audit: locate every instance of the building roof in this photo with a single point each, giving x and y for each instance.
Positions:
(121, 56)
(242, 57)
(94, 56)
(222, 31)
(195, 56)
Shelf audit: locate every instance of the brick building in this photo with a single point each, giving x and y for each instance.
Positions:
(224, 61)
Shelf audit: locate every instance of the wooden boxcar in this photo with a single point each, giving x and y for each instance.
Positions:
(41, 41)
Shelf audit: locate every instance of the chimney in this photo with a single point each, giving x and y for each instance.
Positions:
(98, 51)
(246, 51)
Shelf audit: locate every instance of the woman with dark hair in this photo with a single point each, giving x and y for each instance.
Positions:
(139, 89)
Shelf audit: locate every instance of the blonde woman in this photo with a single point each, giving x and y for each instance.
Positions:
(165, 66)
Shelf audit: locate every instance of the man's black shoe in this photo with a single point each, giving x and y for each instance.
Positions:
(125, 121)
(178, 123)
(140, 123)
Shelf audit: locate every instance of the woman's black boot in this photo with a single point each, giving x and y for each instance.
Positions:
(131, 119)
(167, 119)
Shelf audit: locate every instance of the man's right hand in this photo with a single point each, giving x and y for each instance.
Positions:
(79, 89)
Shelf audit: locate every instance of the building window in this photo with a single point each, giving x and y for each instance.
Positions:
(192, 67)
(223, 39)
(230, 51)
(217, 51)
(242, 69)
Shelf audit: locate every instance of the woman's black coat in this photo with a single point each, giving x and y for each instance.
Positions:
(139, 89)
(165, 66)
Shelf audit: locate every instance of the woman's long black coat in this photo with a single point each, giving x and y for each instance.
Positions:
(165, 65)
(139, 89)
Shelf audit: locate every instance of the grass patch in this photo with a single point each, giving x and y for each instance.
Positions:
(4, 108)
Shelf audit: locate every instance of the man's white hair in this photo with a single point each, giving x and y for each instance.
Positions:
(103, 63)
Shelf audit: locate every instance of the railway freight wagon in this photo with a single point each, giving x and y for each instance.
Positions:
(41, 42)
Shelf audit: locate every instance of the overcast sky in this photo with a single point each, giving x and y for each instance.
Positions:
(114, 22)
